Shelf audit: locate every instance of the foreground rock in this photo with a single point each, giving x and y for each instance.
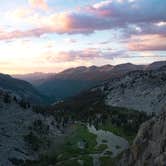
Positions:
(149, 147)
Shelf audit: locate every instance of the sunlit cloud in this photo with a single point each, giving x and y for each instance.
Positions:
(109, 14)
(39, 4)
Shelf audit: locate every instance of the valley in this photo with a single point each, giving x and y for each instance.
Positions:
(83, 83)
(97, 127)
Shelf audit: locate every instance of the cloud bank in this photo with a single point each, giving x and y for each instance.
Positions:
(108, 14)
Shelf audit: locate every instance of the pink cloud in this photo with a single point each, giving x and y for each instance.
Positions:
(147, 43)
(86, 54)
(108, 14)
(71, 55)
(20, 34)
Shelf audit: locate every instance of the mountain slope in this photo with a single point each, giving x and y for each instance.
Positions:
(20, 88)
(33, 78)
(24, 134)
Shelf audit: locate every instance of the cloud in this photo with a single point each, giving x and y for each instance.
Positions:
(158, 28)
(70, 40)
(39, 4)
(107, 14)
(20, 34)
(20, 13)
(87, 54)
(147, 43)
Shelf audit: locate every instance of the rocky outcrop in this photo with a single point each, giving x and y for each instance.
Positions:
(139, 90)
(149, 146)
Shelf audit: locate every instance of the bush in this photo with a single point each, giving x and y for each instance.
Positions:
(7, 98)
(33, 141)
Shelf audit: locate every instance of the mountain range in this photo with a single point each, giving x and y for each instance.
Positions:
(72, 81)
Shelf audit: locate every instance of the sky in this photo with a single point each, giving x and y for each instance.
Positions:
(52, 35)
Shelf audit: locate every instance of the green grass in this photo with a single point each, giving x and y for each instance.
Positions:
(68, 163)
(70, 148)
(107, 161)
(81, 133)
(70, 153)
(101, 148)
(88, 161)
(118, 131)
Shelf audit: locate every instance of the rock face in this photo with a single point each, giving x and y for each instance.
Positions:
(149, 146)
(139, 90)
(23, 133)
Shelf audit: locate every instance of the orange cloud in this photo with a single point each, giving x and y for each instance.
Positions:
(40, 4)
(57, 23)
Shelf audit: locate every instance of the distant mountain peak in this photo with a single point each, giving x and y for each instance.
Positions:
(156, 65)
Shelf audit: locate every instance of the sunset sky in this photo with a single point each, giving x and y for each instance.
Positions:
(52, 35)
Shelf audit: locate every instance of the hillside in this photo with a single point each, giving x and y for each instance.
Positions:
(20, 89)
(24, 134)
(33, 78)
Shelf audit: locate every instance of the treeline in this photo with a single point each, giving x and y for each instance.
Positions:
(89, 107)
